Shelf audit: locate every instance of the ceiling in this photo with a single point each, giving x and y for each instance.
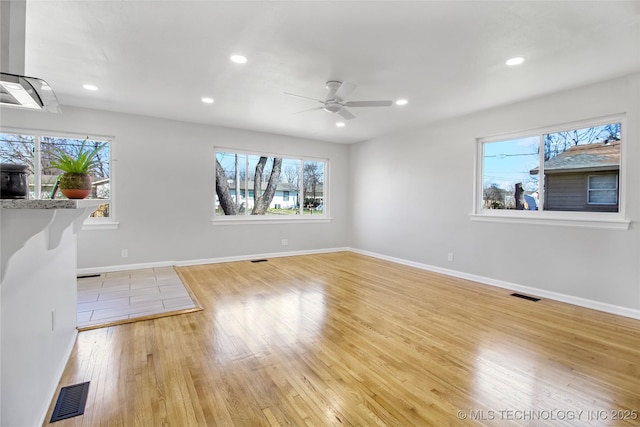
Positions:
(447, 58)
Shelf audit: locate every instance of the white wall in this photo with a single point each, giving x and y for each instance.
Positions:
(412, 194)
(163, 178)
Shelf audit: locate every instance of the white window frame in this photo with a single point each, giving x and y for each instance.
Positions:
(601, 220)
(90, 223)
(323, 216)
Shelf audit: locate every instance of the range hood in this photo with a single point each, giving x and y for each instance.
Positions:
(16, 89)
(27, 92)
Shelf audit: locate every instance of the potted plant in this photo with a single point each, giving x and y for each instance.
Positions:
(75, 182)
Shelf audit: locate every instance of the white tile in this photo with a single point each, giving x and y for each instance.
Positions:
(141, 285)
(103, 304)
(180, 293)
(164, 270)
(104, 320)
(179, 303)
(114, 288)
(118, 274)
(169, 281)
(91, 281)
(89, 286)
(149, 297)
(115, 282)
(147, 272)
(84, 316)
(87, 297)
(155, 306)
(130, 294)
(171, 288)
(104, 296)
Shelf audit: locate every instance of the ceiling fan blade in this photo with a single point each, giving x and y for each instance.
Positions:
(305, 97)
(368, 104)
(346, 114)
(343, 91)
(333, 89)
(310, 109)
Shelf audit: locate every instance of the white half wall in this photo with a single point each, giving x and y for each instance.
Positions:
(38, 313)
(163, 179)
(411, 195)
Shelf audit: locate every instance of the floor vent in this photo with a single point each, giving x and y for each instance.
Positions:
(85, 276)
(525, 297)
(71, 401)
(259, 260)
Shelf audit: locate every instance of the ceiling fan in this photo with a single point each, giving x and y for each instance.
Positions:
(336, 101)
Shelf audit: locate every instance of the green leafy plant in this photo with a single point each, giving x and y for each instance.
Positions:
(83, 162)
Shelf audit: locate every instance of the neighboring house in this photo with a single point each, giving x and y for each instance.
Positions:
(583, 178)
(286, 196)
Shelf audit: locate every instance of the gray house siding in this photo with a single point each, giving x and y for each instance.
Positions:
(568, 192)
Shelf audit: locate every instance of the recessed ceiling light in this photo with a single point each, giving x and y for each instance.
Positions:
(90, 87)
(238, 59)
(340, 124)
(402, 102)
(207, 100)
(515, 61)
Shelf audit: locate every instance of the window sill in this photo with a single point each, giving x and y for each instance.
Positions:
(268, 220)
(99, 225)
(562, 219)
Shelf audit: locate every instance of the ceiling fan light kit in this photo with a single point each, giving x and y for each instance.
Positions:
(336, 100)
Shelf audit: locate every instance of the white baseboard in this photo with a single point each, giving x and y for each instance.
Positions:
(184, 263)
(122, 267)
(569, 299)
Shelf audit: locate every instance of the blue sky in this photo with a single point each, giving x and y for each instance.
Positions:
(509, 162)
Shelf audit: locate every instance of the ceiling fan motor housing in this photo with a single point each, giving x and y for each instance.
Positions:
(332, 106)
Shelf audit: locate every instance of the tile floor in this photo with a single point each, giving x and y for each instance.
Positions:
(122, 295)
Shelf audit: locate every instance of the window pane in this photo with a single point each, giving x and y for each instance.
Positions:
(578, 164)
(19, 149)
(286, 201)
(603, 197)
(603, 182)
(100, 173)
(313, 197)
(272, 185)
(510, 174)
(230, 184)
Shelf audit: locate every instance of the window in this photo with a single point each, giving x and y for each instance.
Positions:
(35, 152)
(277, 186)
(573, 168)
(603, 189)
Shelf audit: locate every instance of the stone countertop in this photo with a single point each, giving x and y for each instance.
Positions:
(49, 204)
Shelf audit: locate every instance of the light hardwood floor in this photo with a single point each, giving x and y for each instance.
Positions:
(344, 339)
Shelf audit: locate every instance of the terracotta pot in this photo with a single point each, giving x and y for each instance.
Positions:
(74, 193)
(75, 185)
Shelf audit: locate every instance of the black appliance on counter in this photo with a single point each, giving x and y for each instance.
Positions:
(14, 182)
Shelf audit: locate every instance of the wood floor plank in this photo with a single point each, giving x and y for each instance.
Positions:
(344, 339)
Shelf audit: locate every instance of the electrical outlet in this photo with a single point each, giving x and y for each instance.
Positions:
(125, 253)
(450, 256)
(285, 242)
